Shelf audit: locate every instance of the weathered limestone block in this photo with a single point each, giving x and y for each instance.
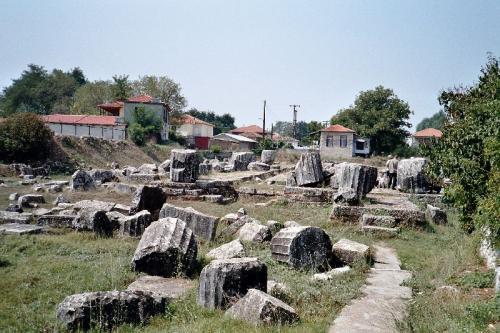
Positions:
(378, 220)
(408, 216)
(107, 309)
(166, 288)
(257, 308)
(56, 221)
(241, 160)
(289, 224)
(330, 274)
(205, 169)
(268, 156)
(347, 251)
(302, 247)
(136, 224)
(380, 231)
(81, 180)
(274, 226)
(20, 229)
(150, 198)
(14, 217)
(254, 232)
(143, 177)
(204, 226)
(164, 167)
(94, 204)
(116, 217)
(184, 166)
(354, 177)
(123, 209)
(167, 248)
(410, 175)
(436, 215)
(229, 250)
(148, 168)
(102, 176)
(258, 166)
(308, 194)
(94, 220)
(223, 282)
(309, 171)
(28, 199)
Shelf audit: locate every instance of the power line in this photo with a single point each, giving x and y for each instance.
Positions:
(295, 106)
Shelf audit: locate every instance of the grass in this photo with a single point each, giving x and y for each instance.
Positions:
(39, 271)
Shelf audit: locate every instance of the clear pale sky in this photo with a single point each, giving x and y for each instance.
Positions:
(231, 55)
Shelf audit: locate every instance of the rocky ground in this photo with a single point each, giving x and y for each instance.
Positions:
(45, 274)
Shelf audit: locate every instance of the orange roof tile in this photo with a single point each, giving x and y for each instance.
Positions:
(80, 119)
(428, 133)
(189, 119)
(337, 128)
(247, 129)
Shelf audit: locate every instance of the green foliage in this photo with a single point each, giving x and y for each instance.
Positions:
(216, 149)
(145, 124)
(121, 88)
(91, 94)
(436, 121)
(163, 88)
(478, 279)
(379, 115)
(406, 151)
(174, 137)
(469, 151)
(264, 145)
(41, 92)
(223, 123)
(304, 130)
(24, 137)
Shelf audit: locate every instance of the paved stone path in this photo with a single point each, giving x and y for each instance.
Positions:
(384, 301)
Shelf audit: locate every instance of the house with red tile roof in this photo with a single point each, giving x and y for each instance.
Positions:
(196, 131)
(105, 127)
(253, 132)
(426, 136)
(337, 141)
(125, 109)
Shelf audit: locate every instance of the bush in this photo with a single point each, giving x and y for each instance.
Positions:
(216, 149)
(146, 123)
(24, 137)
(174, 137)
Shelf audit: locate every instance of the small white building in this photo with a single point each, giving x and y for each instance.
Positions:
(339, 141)
(196, 131)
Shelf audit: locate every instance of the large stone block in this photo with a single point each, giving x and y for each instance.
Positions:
(94, 220)
(223, 282)
(229, 250)
(241, 160)
(81, 180)
(411, 177)
(184, 166)
(355, 179)
(136, 224)
(258, 166)
(167, 288)
(254, 232)
(257, 308)
(302, 247)
(167, 248)
(105, 310)
(378, 220)
(436, 215)
(102, 176)
(204, 226)
(308, 170)
(28, 199)
(347, 251)
(268, 156)
(150, 198)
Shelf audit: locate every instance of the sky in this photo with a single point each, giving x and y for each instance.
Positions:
(230, 55)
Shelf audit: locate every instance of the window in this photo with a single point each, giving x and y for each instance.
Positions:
(329, 141)
(343, 141)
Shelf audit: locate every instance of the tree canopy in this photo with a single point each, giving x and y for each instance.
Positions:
(379, 115)
(304, 130)
(91, 94)
(223, 123)
(469, 150)
(145, 124)
(41, 92)
(162, 87)
(436, 121)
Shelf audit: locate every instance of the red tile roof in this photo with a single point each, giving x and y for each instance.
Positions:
(80, 119)
(337, 128)
(189, 119)
(141, 99)
(428, 133)
(247, 129)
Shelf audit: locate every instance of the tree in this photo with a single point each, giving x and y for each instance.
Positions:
(145, 124)
(469, 151)
(304, 130)
(121, 87)
(91, 94)
(24, 137)
(162, 87)
(379, 115)
(436, 121)
(223, 123)
(41, 92)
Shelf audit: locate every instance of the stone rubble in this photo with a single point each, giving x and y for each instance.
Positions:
(203, 226)
(233, 249)
(436, 215)
(308, 171)
(184, 166)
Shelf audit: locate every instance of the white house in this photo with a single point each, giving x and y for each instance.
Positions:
(339, 141)
(196, 131)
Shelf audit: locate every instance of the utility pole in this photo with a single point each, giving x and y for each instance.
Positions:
(264, 122)
(295, 106)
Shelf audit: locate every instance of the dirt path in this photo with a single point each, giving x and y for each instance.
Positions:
(384, 301)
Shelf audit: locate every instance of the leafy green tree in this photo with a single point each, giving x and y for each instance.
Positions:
(121, 88)
(24, 137)
(41, 92)
(469, 151)
(436, 121)
(379, 115)
(91, 94)
(162, 87)
(223, 123)
(304, 130)
(145, 124)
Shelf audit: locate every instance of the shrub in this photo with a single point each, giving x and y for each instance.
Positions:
(146, 123)
(24, 137)
(216, 149)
